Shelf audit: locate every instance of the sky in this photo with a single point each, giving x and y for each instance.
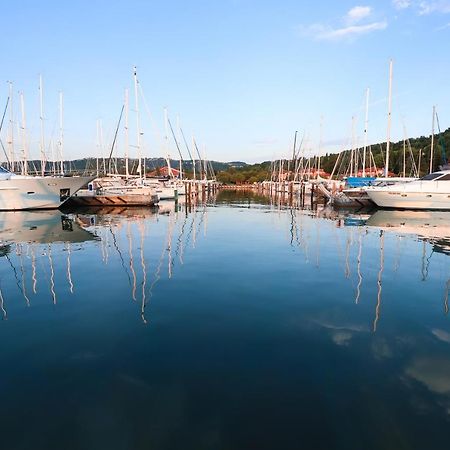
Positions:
(240, 75)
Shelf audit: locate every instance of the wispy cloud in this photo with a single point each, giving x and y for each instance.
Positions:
(356, 22)
(443, 27)
(441, 6)
(401, 4)
(423, 7)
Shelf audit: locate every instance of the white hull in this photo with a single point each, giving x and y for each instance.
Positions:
(430, 192)
(28, 192)
(411, 200)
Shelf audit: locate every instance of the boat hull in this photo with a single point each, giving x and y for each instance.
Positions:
(410, 200)
(23, 193)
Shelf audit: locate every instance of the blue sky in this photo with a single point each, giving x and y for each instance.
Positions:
(243, 75)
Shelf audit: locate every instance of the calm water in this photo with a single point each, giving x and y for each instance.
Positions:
(237, 325)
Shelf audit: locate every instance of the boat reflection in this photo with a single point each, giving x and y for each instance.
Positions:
(430, 226)
(26, 243)
(137, 236)
(43, 227)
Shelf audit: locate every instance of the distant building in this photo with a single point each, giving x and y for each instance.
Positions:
(163, 172)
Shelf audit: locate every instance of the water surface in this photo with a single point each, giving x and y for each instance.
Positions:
(236, 324)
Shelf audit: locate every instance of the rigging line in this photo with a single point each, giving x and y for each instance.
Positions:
(115, 138)
(152, 122)
(185, 143)
(175, 139)
(1, 126)
(198, 152)
(441, 141)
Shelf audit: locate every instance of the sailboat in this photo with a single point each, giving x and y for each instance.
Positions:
(113, 191)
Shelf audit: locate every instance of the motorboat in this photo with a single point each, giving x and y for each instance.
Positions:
(22, 192)
(429, 192)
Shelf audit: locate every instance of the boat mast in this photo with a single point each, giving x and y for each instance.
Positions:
(366, 128)
(101, 148)
(166, 142)
(41, 110)
(432, 139)
(11, 128)
(404, 152)
(24, 137)
(193, 156)
(61, 132)
(320, 147)
(127, 142)
(352, 154)
(181, 159)
(386, 169)
(98, 145)
(138, 123)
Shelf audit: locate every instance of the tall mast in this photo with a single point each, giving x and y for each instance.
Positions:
(404, 151)
(193, 156)
(432, 139)
(366, 128)
(166, 142)
(388, 143)
(138, 123)
(24, 137)
(181, 159)
(320, 146)
(127, 142)
(98, 145)
(11, 128)
(41, 112)
(352, 154)
(61, 132)
(102, 148)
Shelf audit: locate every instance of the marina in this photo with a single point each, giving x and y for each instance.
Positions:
(225, 225)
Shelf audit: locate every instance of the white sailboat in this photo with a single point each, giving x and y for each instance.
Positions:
(19, 192)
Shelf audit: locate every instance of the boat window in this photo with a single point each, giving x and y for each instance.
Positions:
(445, 178)
(3, 170)
(431, 176)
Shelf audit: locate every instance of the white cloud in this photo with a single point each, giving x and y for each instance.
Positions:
(357, 13)
(424, 7)
(440, 6)
(353, 24)
(353, 30)
(401, 4)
